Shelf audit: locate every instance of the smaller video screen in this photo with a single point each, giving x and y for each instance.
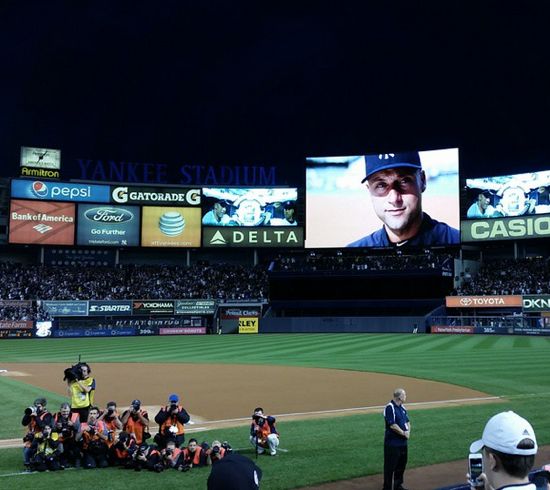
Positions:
(251, 207)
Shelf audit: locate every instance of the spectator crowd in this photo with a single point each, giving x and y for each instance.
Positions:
(509, 276)
(202, 281)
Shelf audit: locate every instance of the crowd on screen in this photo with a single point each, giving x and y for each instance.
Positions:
(314, 262)
(203, 281)
(509, 276)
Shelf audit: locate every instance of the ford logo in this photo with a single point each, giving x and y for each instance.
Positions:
(108, 215)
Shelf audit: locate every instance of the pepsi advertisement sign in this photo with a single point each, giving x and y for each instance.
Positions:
(108, 225)
(59, 191)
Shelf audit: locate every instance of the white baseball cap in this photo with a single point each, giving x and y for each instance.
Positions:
(503, 432)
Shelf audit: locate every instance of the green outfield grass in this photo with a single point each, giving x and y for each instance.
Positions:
(513, 367)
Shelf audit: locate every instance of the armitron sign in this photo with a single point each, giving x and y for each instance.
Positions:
(483, 301)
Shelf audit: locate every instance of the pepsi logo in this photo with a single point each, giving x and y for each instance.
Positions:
(39, 189)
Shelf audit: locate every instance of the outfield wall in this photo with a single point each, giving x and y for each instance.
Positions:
(377, 324)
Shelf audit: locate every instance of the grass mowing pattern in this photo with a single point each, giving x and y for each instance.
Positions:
(500, 365)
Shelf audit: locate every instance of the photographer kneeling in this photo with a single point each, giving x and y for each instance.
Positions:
(171, 419)
(192, 456)
(66, 424)
(120, 453)
(135, 421)
(93, 437)
(36, 417)
(263, 433)
(146, 457)
(46, 450)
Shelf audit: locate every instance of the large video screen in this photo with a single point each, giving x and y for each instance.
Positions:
(114, 226)
(41, 223)
(252, 217)
(507, 207)
(408, 199)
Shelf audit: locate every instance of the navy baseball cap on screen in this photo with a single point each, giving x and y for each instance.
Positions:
(385, 161)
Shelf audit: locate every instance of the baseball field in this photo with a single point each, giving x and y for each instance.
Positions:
(327, 391)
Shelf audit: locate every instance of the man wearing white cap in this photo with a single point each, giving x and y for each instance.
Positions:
(508, 447)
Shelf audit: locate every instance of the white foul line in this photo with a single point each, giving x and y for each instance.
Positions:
(356, 409)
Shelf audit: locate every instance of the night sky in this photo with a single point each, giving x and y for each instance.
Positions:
(268, 83)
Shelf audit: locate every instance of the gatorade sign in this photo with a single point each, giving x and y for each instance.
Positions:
(248, 325)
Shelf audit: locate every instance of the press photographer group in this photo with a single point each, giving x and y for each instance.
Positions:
(82, 435)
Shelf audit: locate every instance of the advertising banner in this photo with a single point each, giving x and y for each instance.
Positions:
(248, 325)
(230, 236)
(531, 331)
(92, 332)
(15, 303)
(183, 331)
(59, 191)
(536, 303)
(156, 195)
(43, 223)
(15, 324)
(195, 306)
(454, 329)
(171, 227)
(108, 225)
(13, 329)
(66, 308)
(483, 301)
(238, 312)
(109, 308)
(148, 307)
(505, 228)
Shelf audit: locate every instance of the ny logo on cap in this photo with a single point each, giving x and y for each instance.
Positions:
(385, 156)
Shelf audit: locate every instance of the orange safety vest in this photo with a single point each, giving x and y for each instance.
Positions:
(123, 453)
(112, 428)
(170, 421)
(196, 455)
(32, 426)
(73, 418)
(216, 457)
(136, 427)
(175, 455)
(87, 437)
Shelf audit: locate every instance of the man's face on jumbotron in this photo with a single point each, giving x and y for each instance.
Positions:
(396, 196)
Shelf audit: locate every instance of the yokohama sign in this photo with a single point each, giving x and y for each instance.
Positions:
(483, 301)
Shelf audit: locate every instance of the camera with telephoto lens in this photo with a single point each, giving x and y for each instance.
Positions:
(73, 373)
(136, 406)
(227, 447)
(541, 477)
(30, 410)
(29, 437)
(216, 449)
